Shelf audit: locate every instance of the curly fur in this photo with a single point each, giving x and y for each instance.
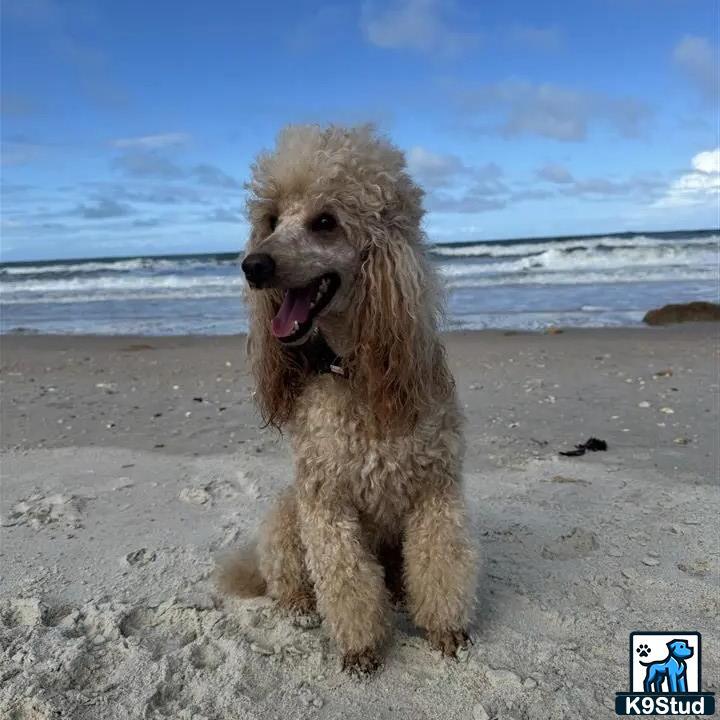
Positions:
(377, 501)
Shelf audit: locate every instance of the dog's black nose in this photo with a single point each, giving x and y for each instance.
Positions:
(258, 268)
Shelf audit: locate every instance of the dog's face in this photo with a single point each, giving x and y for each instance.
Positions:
(336, 244)
(680, 650)
(303, 248)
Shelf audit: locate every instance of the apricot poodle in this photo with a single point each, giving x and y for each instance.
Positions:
(345, 351)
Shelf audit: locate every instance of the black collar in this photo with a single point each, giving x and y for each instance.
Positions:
(320, 358)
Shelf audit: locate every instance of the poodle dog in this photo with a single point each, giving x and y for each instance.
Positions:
(345, 351)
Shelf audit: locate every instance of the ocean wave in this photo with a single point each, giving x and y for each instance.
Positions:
(544, 319)
(128, 284)
(470, 273)
(603, 243)
(554, 260)
(550, 267)
(69, 268)
(100, 297)
(558, 259)
(591, 278)
(146, 264)
(180, 289)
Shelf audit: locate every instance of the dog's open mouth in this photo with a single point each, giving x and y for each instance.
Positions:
(300, 307)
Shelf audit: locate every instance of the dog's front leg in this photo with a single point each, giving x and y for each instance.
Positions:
(648, 682)
(282, 557)
(348, 581)
(440, 567)
(681, 684)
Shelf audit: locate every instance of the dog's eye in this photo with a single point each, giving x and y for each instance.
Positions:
(323, 223)
(272, 222)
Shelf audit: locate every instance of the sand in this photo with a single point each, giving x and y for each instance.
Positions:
(130, 464)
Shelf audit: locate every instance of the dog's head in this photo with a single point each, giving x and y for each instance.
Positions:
(679, 649)
(336, 244)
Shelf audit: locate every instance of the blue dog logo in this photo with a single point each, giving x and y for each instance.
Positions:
(672, 670)
(672, 686)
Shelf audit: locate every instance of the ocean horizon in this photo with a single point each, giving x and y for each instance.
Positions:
(599, 280)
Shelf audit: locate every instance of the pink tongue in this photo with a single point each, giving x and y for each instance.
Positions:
(295, 308)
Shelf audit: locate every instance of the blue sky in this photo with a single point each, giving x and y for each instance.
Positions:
(128, 127)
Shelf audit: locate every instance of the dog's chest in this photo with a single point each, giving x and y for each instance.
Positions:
(339, 456)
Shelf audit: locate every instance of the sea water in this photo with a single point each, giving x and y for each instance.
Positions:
(590, 281)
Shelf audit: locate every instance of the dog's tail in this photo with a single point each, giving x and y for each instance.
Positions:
(240, 574)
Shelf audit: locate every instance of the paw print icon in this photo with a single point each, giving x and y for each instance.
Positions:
(642, 650)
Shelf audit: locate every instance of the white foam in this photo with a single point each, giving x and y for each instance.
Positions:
(590, 278)
(610, 241)
(129, 285)
(116, 266)
(203, 293)
(581, 261)
(199, 294)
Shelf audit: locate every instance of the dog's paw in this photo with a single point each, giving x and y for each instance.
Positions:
(448, 642)
(362, 663)
(642, 650)
(301, 610)
(299, 603)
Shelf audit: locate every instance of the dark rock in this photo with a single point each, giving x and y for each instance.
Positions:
(685, 312)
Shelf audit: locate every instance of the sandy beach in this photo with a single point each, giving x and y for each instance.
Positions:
(130, 464)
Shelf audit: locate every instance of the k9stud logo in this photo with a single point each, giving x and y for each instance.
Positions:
(665, 676)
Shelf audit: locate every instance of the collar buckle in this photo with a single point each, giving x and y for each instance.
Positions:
(338, 370)
(319, 357)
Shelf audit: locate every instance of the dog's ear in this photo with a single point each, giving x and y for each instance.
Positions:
(397, 358)
(278, 376)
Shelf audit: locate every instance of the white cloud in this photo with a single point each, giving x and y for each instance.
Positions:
(699, 187)
(707, 162)
(151, 142)
(555, 173)
(224, 215)
(454, 186)
(412, 25)
(148, 164)
(700, 62)
(523, 108)
(433, 169)
(207, 174)
(147, 157)
(102, 209)
(642, 188)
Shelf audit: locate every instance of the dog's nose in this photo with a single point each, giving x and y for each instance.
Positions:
(258, 268)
